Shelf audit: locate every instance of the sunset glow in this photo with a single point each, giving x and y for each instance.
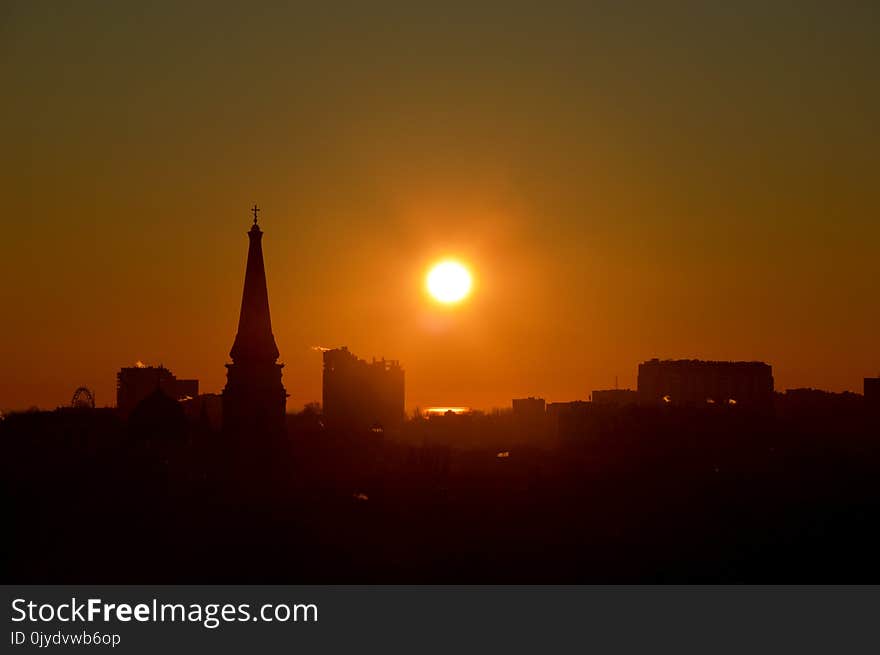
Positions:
(611, 196)
(411, 295)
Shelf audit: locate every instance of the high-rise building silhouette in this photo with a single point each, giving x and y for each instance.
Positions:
(135, 383)
(254, 400)
(872, 392)
(360, 394)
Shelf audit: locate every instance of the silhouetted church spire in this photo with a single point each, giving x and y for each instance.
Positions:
(254, 340)
(254, 399)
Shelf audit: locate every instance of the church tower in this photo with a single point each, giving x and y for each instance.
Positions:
(254, 399)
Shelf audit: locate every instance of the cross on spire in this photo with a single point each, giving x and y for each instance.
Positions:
(255, 210)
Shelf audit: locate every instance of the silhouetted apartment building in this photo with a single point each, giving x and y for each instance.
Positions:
(872, 392)
(692, 382)
(529, 418)
(528, 409)
(565, 418)
(359, 394)
(615, 397)
(557, 410)
(134, 383)
(561, 411)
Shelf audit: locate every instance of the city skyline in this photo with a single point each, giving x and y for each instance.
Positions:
(410, 405)
(626, 183)
(621, 257)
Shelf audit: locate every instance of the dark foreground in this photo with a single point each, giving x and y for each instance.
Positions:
(624, 496)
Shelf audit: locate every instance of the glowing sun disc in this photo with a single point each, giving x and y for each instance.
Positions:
(449, 282)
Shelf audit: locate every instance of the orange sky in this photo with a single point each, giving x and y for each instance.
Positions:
(624, 184)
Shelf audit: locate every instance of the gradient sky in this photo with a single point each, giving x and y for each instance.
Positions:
(625, 182)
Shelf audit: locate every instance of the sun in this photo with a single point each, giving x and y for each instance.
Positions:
(448, 282)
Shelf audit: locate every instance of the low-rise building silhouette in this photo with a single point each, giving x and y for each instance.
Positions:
(615, 397)
(566, 418)
(528, 409)
(809, 404)
(529, 418)
(555, 410)
(158, 416)
(134, 383)
(360, 394)
(694, 383)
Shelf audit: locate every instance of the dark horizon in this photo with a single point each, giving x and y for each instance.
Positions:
(703, 474)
